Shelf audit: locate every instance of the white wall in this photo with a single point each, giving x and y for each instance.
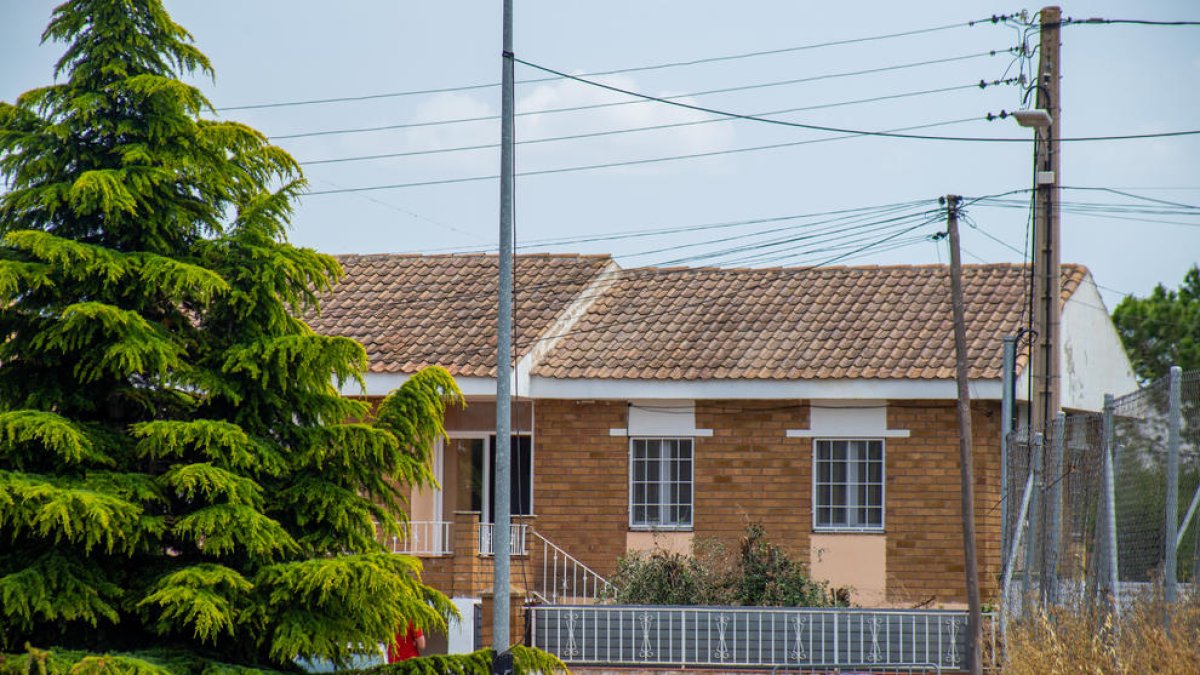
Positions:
(1093, 361)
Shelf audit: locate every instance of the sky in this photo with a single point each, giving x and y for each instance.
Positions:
(740, 203)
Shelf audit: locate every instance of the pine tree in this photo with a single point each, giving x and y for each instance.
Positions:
(179, 484)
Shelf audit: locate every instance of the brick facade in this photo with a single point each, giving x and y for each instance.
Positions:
(924, 513)
(750, 471)
(581, 479)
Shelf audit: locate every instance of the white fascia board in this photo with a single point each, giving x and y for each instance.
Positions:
(382, 384)
(625, 389)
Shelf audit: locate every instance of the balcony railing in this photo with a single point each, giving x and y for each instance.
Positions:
(424, 537)
(517, 534)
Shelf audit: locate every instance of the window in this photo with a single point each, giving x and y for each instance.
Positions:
(660, 483)
(848, 485)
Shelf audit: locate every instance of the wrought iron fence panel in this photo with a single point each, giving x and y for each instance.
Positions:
(749, 636)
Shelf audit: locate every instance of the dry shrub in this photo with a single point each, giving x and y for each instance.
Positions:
(1086, 641)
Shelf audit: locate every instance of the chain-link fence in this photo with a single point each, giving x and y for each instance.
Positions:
(1085, 518)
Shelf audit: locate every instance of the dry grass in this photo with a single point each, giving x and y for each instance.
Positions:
(1067, 641)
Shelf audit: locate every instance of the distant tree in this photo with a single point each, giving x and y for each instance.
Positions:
(179, 485)
(1163, 329)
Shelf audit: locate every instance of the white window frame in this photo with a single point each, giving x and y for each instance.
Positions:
(881, 527)
(663, 483)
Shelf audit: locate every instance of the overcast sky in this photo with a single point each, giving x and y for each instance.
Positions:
(1116, 80)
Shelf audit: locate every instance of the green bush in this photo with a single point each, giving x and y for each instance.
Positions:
(757, 574)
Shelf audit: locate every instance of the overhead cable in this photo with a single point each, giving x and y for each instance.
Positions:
(614, 104)
(841, 130)
(612, 132)
(616, 71)
(619, 163)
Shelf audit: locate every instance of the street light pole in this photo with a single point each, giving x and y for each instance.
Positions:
(502, 509)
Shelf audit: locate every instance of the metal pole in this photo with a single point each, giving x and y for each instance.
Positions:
(1006, 427)
(1110, 507)
(1172, 509)
(502, 509)
(1011, 563)
(1031, 539)
(1054, 524)
(966, 462)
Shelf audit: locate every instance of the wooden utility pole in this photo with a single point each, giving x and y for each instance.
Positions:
(966, 462)
(1047, 283)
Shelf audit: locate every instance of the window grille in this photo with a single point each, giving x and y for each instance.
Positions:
(848, 485)
(660, 483)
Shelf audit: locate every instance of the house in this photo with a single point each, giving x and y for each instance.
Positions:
(655, 406)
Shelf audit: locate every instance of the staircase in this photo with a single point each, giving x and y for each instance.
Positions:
(559, 578)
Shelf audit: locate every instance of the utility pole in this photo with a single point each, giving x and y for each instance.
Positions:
(502, 509)
(1047, 283)
(966, 462)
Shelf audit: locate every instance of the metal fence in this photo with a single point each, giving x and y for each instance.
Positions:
(791, 639)
(1105, 504)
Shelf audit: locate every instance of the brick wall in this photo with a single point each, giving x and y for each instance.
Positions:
(924, 514)
(749, 471)
(581, 479)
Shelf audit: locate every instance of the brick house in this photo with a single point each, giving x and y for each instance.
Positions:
(659, 405)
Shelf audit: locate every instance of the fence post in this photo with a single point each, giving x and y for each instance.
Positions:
(1172, 508)
(1006, 423)
(1032, 559)
(1054, 524)
(1110, 507)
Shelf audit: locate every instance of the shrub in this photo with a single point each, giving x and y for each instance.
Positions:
(756, 574)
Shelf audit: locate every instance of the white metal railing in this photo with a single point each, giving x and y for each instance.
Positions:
(761, 637)
(517, 535)
(565, 580)
(424, 537)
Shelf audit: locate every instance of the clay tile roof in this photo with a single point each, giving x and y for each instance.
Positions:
(410, 311)
(835, 322)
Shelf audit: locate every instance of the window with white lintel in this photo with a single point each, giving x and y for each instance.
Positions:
(848, 485)
(660, 483)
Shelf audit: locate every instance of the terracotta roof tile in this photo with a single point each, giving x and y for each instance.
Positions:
(410, 311)
(837, 322)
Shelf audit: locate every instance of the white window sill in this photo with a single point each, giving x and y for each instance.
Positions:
(849, 530)
(661, 528)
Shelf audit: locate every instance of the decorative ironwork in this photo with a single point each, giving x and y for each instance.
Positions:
(952, 655)
(722, 650)
(875, 623)
(799, 623)
(647, 621)
(572, 649)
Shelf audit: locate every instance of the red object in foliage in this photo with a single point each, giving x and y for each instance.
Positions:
(406, 645)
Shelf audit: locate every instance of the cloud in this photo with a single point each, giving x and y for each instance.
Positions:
(677, 140)
(674, 140)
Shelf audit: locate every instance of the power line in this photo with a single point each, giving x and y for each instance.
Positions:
(840, 130)
(1136, 22)
(614, 104)
(612, 132)
(635, 162)
(617, 71)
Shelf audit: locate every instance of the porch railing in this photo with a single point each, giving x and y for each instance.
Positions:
(424, 537)
(565, 580)
(762, 637)
(517, 536)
